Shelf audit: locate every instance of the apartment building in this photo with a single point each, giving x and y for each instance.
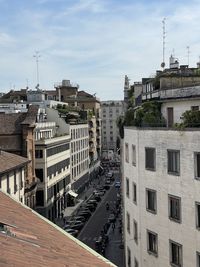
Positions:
(17, 136)
(161, 173)
(70, 93)
(110, 111)
(12, 174)
(79, 156)
(52, 158)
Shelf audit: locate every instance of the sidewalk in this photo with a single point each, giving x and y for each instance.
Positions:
(114, 252)
(80, 199)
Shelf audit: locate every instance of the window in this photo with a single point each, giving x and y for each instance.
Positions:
(128, 257)
(152, 243)
(111, 138)
(127, 187)
(38, 154)
(136, 264)
(150, 158)
(133, 155)
(197, 204)
(197, 164)
(198, 259)
(126, 153)
(15, 182)
(134, 193)
(39, 174)
(175, 254)
(8, 183)
(40, 198)
(128, 222)
(135, 231)
(175, 208)
(151, 200)
(173, 162)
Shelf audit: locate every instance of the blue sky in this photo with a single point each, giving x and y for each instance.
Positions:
(93, 42)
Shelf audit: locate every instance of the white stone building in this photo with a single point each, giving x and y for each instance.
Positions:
(79, 155)
(161, 186)
(110, 111)
(52, 159)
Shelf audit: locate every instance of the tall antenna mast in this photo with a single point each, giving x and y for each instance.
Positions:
(188, 54)
(37, 56)
(163, 43)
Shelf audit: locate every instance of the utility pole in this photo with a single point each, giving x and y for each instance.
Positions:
(188, 54)
(163, 43)
(37, 56)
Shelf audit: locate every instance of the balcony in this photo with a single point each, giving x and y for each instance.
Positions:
(98, 145)
(91, 148)
(91, 125)
(98, 125)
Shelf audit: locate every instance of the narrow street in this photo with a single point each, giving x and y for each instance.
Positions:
(93, 228)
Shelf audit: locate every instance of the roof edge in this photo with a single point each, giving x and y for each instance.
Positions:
(81, 244)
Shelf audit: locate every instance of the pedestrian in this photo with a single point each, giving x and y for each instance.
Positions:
(113, 226)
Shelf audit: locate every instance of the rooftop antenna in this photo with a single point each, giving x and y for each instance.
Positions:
(163, 43)
(27, 84)
(188, 54)
(37, 56)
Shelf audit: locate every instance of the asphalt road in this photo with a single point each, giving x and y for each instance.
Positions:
(94, 226)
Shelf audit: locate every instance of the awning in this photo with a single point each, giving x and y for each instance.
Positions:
(72, 193)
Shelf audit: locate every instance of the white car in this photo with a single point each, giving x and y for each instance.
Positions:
(109, 174)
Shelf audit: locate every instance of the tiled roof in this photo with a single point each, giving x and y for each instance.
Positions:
(10, 123)
(36, 242)
(9, 161)
(83, 93)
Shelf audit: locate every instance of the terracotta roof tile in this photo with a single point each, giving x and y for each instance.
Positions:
(9, 161)
(50, 247)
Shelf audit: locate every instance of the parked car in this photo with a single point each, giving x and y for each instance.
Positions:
(107, 186)
(100, 193)
(109, 174)
(100, 188)
(93, 201)
(117, 184)
(72, 232)
(79, 218)
(89, 206)
(108, 181)
(77, 225)
(72, 221)
(97, 197)
(85, 214)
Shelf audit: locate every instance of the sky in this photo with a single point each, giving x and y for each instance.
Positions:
(93, 43)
